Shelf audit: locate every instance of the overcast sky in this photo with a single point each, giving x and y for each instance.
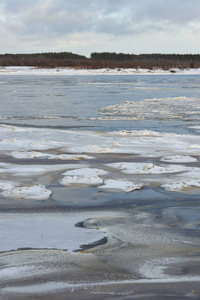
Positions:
(85, 26)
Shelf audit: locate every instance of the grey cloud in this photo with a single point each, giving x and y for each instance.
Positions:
(114, 17)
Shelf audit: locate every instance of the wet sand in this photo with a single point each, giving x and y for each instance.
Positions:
(164, 291)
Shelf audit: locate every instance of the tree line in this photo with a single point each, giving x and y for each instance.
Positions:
(101, 60)
(189, 60)
(46, 59)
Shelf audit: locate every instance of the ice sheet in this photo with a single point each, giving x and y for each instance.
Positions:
(167, 147)
(144, 143)
(47, 231)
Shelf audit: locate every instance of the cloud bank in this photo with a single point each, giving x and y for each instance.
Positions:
(78, 24)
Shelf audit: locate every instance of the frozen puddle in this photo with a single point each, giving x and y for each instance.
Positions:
(45, 231)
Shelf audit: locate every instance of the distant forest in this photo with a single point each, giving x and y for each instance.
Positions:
(101, 60)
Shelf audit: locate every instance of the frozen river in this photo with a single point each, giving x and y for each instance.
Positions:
(99, 185)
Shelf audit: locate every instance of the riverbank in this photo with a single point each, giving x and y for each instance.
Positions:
(105, 71)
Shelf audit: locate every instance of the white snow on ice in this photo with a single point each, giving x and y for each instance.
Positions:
(34, 170)
(144, 143)
(7, 185)
(36, 192)
(34, 154)
(157, 108)
(85, 176)
(146, 168)
(168, 147)
(178, 159)
(125, 186)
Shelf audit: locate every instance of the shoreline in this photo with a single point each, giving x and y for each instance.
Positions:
(105, 71)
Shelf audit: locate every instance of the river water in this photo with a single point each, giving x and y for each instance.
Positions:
(101, 165)
(74, 101)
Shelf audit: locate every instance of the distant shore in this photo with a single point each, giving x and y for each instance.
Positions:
(101, 60)
(25, 70)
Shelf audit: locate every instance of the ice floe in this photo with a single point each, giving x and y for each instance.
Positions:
(85, 176)
(36, 192)
(34, 170)
(7, 185)
(146, 168)
(144, 142)
(145, 132)
(122, 185)
(180, 186)
(34, 154)
(30, 154)
(158, 108)
(182, 181)
(178, 159)
(173, 151)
